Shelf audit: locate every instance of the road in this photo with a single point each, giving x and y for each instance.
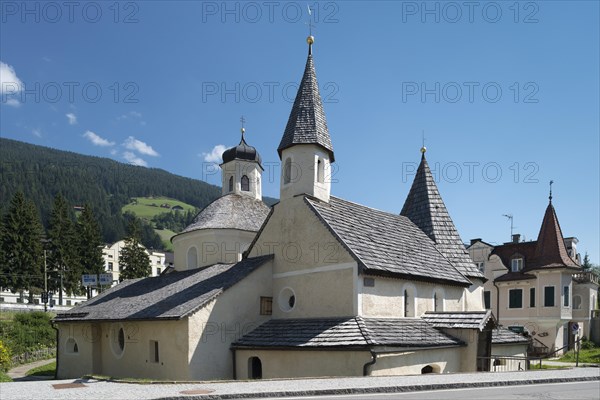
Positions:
(570, 390)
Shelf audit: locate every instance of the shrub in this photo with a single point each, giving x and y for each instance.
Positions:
(4, 357)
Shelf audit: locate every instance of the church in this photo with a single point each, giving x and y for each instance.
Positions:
(314, 286)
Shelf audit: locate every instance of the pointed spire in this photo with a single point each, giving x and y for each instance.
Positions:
(307, 124)
(550, 250)
(426, 209)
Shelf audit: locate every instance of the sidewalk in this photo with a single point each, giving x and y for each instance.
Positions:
(19, 373)
(93, 389)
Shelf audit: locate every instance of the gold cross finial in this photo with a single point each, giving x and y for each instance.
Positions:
(423, 149)
(243, 121)
(310, 39)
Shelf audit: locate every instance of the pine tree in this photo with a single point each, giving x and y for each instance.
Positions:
(22, 247)
(63, 261)
(90, 242)
(133, 257)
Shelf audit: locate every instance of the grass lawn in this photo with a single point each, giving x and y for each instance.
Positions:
(148, 207)
(4, 377)
(166, 236)
(585, 356)
(44, 370)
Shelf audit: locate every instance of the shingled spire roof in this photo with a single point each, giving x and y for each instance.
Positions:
(550, 250)
(307, 124)
(426, 209)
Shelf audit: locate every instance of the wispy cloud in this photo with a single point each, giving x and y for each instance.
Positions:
(215, 155)
(137, 145)
(37, 133)
(10, 85)
(97, 140)
(72, 118)
(12, 102)
(133, 159)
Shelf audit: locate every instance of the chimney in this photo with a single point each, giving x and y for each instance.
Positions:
(516, 237)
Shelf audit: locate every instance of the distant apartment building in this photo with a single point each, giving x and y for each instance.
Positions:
(111, 253)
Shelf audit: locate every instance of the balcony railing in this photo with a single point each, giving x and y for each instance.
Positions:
(586, 277)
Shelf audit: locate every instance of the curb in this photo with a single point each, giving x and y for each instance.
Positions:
(387, 389)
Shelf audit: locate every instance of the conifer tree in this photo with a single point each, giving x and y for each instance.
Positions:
(63, 261)
(90, 242)
(21, 247)
(133, 257)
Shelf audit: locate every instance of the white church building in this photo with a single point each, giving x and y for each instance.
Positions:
(314, 286)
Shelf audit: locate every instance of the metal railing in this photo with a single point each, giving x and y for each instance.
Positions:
(585, 277)
(30, 356)
(510, 363)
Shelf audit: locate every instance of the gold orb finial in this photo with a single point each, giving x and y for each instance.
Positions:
(310, 40)
(243, 130)
(423, 149)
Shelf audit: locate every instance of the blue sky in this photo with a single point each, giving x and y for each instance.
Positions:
(507, 94)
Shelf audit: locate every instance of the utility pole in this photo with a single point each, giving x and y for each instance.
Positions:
(45, 283)
(60, 294)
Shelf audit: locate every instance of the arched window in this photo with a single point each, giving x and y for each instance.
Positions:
(72, 347)
(438, 299)
(245, 184)
(287, 171)
(192, 257)
(231, 183)
(410, 301)
(254, 368)
(320, 171)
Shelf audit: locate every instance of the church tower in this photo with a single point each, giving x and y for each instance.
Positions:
(305, 149)
(241, 170)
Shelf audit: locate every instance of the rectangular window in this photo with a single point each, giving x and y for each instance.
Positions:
(158, 271)
(532, 297)
(487, 299)
(368, 282)
(549, 296)
(565, 296)
(517, 264)
(154, 351)
(266, 306)
(110, 266)
(481, 266)
(515, 298)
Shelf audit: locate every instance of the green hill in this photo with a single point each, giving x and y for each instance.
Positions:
(106, 185)
(149, 207)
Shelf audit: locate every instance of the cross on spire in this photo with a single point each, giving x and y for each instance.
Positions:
(423, 149)
(550, 197)
(243, 121)
(309, 23)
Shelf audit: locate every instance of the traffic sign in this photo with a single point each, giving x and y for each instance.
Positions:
(106, 279)
(89, 280)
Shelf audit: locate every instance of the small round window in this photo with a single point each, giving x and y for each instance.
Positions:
(121, 339)
(117, 341)
(287, 299)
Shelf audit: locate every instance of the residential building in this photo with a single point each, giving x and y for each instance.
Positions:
(539, 285)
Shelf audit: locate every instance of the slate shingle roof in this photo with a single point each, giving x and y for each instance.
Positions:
(171, 296)
(514, 276)
(550, 251)
(386, 244)
(307, 124)
(345, 332)
(426, 209)
(459, 320)
(232, 211)
(506, 336)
